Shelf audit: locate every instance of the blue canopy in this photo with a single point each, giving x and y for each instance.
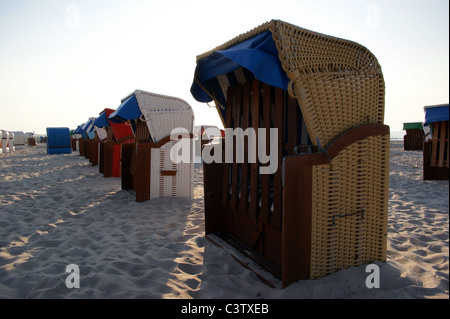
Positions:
(101, 121)
(78, 130)
(87, 127)
(257, 55)
(436, 113)
(128, 110)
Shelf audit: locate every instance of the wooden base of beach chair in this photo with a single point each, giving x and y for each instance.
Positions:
(101, 157)
(73, 144)
(81, 147)
(93, 152)
(31, 141)
(432, 172)
(413, 140)
(112, 160)
(86, 146)
(125, 160)
(141, 180)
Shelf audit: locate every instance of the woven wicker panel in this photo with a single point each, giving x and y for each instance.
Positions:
(338, 83)
(350, 198)
(164, 113)
(180, 184)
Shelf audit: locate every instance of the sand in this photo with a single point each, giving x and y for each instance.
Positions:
(57, 210)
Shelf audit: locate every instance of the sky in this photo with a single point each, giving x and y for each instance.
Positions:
(64, 61)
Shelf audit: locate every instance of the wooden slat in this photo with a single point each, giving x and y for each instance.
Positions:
(226, 166)
(125, 160)
(245, 165)
(142, 177)
(292, 125)
(167, 172)
(434, 144)
(108, 159)
(93, 152)
(265, 178)
(442, 144)
(101, 165)
(278, 191)
(447, 142)
(297, 209)
(253, 205)
(235, 166)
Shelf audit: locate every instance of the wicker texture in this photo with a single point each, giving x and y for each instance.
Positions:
(349, 222)
(180, 184)
(325, 73)
(164, 113)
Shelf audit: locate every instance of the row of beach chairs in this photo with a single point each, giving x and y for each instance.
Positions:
(12, 140)
(133, 142)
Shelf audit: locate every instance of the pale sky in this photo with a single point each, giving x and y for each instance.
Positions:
(63, 61)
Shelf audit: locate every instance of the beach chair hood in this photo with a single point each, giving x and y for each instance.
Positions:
(436, 113)
(316, 69)
(162, 113)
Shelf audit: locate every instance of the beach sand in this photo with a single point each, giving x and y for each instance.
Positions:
(57, 210)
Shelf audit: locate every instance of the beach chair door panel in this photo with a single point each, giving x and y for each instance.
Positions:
(253, 201)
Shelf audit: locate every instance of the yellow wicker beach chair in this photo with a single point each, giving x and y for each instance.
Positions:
(325, 207)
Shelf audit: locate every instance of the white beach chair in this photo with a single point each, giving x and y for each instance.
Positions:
(155, 173)
(11, 146)
(5, 141)
(19, 140)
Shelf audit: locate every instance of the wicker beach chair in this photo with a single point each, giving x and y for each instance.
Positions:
(87, 133)
(19, 140)
(58, 140)
(436, 149)
(325, 207)
(5, 141)
(147, 166)
(414, 137)
(112, 136)
(76, 138)
(11, 144)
